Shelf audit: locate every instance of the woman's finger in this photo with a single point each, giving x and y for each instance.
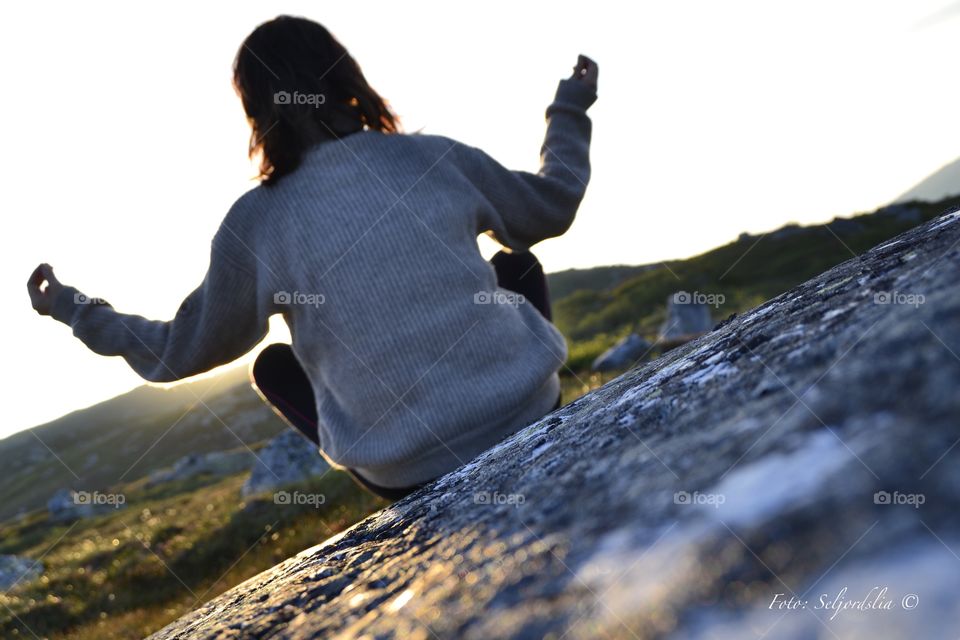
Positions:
(48, 272)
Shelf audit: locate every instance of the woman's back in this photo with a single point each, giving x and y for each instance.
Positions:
(418, 362)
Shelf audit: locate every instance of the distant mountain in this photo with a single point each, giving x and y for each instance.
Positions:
(125, 438)
(563, 283)
(940, 185)
(733, 277)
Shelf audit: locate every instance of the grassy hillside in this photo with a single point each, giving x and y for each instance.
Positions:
(129, 436)
(564, 283)
(129, 572)
(745, 272)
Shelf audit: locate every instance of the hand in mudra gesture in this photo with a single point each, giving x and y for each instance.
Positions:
(42, 298)
(586, 71)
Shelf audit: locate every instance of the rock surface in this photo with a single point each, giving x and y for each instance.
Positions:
(626, 353)
(804, 447)
(287, 458)
(67, 505)
(17, 569)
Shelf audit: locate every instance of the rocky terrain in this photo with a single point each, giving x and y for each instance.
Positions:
(15, 569)
(286, 459)
(791, 474)
(625, 354)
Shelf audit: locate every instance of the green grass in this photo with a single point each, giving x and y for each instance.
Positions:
(129, 572)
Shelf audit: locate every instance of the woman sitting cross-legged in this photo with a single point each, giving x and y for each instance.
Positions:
(410, 353)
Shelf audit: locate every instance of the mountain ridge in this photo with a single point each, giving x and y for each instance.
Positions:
(943, 183)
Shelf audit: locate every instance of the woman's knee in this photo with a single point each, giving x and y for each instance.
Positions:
(270, 362)
(522, 273)
(517, 263)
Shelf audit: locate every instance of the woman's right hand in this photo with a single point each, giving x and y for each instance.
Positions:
(586, 72)
(42, 297)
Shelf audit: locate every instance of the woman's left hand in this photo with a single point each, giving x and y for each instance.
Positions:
(42, 299)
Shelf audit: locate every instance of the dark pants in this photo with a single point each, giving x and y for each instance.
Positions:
(282, 381)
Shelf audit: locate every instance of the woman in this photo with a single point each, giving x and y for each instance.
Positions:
(411, 354)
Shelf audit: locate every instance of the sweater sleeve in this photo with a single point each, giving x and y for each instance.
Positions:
(530, 207)
(219, 321)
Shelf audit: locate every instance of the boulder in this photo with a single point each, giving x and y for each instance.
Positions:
(15, 570)
(67, 505)
(625, 353)
(802, 453)
(63, 506)
(687, 315)
(287, 459)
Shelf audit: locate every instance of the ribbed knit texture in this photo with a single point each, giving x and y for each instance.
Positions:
(369, 250)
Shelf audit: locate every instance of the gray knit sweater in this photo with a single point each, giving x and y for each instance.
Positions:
(369, 250)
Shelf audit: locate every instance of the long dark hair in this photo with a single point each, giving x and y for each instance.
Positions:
(300, 87)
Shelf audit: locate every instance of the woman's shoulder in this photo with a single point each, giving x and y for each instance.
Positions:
(240, 219)
(244, 206)
(441, 147)
(433, 140)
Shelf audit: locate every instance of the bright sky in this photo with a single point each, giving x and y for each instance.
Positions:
(125, 144)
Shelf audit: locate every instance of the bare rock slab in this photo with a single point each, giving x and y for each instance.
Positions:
(796, 458)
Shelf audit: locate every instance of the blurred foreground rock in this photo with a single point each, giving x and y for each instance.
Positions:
(805, 450)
